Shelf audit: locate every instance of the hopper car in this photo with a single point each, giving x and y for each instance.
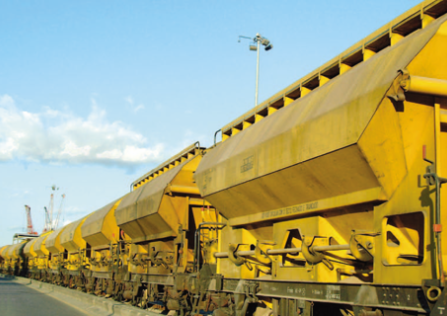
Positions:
(326, 199)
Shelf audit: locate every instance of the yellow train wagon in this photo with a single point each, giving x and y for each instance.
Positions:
(161, 215)
(56, 257)
(17, 261)
(30, 257)
(105, 242)
(42, 258)
(4, 263)
(332, 187)
(76, 263)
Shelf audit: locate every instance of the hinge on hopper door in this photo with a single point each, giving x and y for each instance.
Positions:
(362, 245)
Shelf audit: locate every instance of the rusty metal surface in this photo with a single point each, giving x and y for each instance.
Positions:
(404, 297)
(102, 275)
(155, 278)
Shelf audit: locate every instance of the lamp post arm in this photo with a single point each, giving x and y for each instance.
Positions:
(246, 37)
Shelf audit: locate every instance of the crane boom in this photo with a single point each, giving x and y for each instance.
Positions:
(29, 228)
(52, 223)
(56, 223)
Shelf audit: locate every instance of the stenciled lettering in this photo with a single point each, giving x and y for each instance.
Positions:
(290, 210)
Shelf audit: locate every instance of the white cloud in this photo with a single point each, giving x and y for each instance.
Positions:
(129, 99)
(131, 102)
(6, 101)
(71, 149)
(61, 137)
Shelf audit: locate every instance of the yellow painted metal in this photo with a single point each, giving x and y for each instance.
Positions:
(288, 101)
(431, 86)
(395, 38)
(368, 53)
(158, 208)
(10, 250)
(168, 164)
(160, 217)
(258, 117)
(39, 246)
(12, 256)
(344, 68)
(101, 233)
(271, 110)
(182, 189)
(53, 243)
(331, 230)
(7, 264)
(322, 81)
(28, 251)
(259, 171)
(5, 252)
(421, 126)
(421, 16)
(341, 166)
(3, 261)
(100, 228)
(1, 251)
(71, 237)
(15, 255)
(304, 91)
(41, 260)
(309, 208)
(16, 250)
(426, 20)
(438, 133)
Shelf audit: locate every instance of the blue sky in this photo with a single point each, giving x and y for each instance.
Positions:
(93, 94)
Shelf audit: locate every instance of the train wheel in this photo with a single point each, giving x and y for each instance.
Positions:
(119, 292)
(71, 283)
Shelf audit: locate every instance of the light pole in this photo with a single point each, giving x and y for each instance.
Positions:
(256, 45)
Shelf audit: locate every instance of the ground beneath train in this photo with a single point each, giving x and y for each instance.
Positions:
(20, 300)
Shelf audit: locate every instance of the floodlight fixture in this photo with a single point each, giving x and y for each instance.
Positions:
(255, 46)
